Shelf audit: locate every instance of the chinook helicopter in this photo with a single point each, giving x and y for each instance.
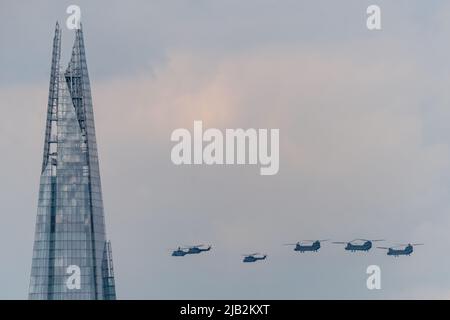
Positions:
(307, 245)
(253, 257)
(358, 244)
(406, 251)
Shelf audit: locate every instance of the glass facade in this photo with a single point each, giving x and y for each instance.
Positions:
(71, 256)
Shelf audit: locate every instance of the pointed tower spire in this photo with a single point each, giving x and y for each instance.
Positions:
(52, 106)
(77, 79)
(70, 233)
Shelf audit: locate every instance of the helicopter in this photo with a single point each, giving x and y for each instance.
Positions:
(196, 249)
(406, 251)
(254, 257)
(302, 247)
(179, 252)
(366, 244)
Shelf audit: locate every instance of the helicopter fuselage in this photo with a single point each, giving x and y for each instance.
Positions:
(400, 252)
(253, 259)
(366, 246)
(315, 246)
(178, 253)
(196, 250)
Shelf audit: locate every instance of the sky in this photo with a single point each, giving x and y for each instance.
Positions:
(364, 142)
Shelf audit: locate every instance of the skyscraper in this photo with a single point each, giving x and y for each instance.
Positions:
(71, 256)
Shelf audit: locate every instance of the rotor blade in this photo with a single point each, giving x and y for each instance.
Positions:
(308, 240)
(196, 246)
(339, 242)
(386, 248)
(324, 240)
(417, 244)
(377, 240)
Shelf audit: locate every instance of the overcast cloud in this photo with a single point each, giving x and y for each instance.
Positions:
(364, 142)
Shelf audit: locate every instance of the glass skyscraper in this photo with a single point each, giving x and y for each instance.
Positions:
(71, 256)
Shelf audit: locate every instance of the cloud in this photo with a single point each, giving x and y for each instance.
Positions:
(354, 160)
(363, 127)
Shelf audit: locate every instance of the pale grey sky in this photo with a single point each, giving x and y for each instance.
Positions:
(364, 142)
